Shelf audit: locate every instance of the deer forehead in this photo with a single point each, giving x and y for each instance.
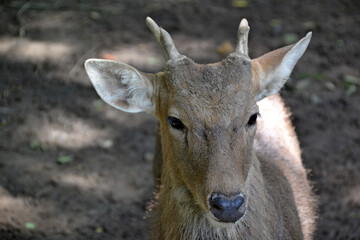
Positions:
(216, 77)
(211, 94)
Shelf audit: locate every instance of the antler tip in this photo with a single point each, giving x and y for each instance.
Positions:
(164, 39)
(244, 26)
(154, 28)
(242, 37)
(149, 20)
(244, 23)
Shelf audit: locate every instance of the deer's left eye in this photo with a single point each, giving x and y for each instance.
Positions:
(176, 123)
(252, 120)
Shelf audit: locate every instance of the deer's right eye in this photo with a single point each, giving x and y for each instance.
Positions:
(252, 120)
(175, 123)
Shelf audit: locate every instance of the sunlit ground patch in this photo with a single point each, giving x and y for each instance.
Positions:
(58, 129)
(32, 50)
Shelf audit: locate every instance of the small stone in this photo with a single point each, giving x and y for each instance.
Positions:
(107, 144)
(352, 79)
(309, 25)
(95, 15)
(330, 86)
(148, 156)
(302, 85)
(315, 99)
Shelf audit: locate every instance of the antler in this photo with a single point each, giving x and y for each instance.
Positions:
(242, 38)
(164, 39)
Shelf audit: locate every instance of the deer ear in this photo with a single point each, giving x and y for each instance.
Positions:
(271, 70)
(121, 85)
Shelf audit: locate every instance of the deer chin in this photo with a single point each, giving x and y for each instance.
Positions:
(213, 221)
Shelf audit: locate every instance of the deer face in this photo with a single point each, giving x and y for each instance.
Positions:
(208, 122)
(207, 116)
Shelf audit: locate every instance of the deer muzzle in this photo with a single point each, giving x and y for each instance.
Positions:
(227, 209)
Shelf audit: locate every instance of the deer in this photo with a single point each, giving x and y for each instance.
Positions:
(227, 161)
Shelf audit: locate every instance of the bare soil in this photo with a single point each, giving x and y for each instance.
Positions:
(72, 167)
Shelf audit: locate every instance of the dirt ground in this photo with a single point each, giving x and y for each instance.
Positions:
(72, 167)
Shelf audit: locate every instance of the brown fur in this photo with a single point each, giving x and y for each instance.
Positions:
(214, 100)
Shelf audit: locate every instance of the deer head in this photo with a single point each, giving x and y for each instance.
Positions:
(207, 115)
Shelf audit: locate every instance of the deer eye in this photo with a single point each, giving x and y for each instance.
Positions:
(252, 120)
(175, 123)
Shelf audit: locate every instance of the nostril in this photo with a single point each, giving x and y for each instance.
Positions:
(227, 209)
(218, 203)
(238, 202)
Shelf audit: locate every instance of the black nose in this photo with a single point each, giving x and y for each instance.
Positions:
(227, 209)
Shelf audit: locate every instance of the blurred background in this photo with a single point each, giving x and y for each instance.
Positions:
(72, 167)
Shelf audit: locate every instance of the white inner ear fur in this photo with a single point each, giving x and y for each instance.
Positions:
(272, 81)
(121, 85)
